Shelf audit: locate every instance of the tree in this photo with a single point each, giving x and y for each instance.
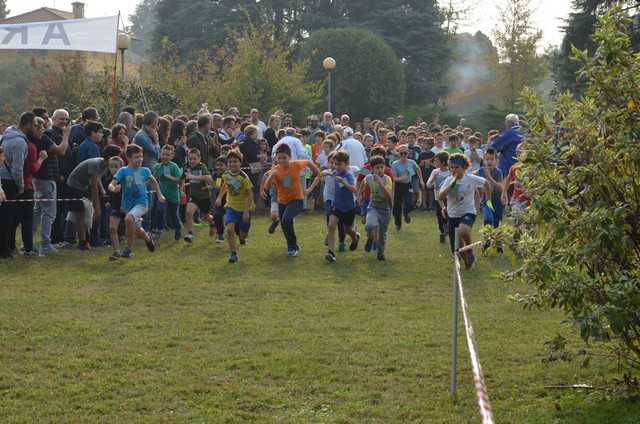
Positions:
(580, 238)
(4, 12)
(369, 78)
(413, 28)
(144, 21)
(517, 41)
(259, 75)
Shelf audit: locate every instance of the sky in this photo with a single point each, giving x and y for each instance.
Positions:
(548, 14)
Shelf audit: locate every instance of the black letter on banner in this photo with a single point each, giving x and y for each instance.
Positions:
(11, 32)
(61, 35)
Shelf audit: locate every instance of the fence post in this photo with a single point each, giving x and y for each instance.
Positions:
(454, 326)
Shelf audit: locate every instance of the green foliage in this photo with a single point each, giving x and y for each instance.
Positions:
(143, 25)
(580, 239)
(413, 29)
(259, 74)
(17, 75)
(256, 73)
(368, 79)
(4, 12)
(78, 88)
(517, 41)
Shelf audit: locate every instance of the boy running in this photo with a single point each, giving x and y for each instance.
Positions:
(379, 211)
(493, 175)
(286, 177)
(169, 177)
(436, 179)
(197, 176)
(238, 188)
(132, 180)
(459, 191)
(344, 205)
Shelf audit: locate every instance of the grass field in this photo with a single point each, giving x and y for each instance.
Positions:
(182, 336)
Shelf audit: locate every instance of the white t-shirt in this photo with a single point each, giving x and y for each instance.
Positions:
(357, 153)
(436, 149)
(437, 177)
(461, 199)
(298, 151)
(475, 165)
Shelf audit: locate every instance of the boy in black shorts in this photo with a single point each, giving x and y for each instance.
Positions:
(344, 205)
(198, 181)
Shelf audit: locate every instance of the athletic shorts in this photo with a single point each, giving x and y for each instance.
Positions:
(117, 213)
(467, 219)
(77, 205)
(137, 212)
(203, 204)
(375, 216)
(345, 218)
(232, 216)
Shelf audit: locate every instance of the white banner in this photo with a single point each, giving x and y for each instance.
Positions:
(91, 35)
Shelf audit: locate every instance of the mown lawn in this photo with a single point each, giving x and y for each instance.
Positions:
(182, 336)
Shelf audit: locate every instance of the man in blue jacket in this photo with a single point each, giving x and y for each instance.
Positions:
(507, 143)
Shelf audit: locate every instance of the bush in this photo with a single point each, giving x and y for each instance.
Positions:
(369, 79)
(580, 238)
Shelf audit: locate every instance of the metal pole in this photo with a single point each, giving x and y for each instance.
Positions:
(121, 65)
(329, 93)
(454, 325)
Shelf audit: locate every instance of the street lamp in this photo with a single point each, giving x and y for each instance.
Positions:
(123, 44)
(329, 64)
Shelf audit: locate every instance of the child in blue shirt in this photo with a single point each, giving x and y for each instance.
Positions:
(132, 181)
(343, 211)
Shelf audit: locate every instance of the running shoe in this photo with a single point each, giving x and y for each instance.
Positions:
(330, 257)
(354, 243)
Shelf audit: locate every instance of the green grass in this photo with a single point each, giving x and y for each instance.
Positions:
(183, 336)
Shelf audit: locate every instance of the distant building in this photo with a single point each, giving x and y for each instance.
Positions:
(45, 14)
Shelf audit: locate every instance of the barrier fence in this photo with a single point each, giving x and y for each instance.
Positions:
(478, 378)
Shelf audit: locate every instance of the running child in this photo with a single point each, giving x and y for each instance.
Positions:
(459, 191)
(169, 177)
(238, 188)
(494, 176)
(217, 225)
(380, 186)
(285, 176)
(132, 180)
(116, 215)
(344, 205)
(197, 177)
(404, 169)
(436, 179)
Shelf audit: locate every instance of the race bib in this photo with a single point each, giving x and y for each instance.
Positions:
(286, 181)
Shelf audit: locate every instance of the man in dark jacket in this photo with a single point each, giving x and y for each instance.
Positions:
(507, 143)
(55, 142)
(14, 144)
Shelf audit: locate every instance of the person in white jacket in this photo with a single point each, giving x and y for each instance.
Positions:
(357, 153)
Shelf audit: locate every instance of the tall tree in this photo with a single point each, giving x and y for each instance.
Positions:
(143, 22)
(517, 41)
(4, 12)
(369, 78)
(413, 28)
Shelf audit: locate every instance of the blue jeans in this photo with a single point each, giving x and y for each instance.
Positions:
(490, 217)
(166, 216)
(44, 213)
(402, 202)
(288, 212)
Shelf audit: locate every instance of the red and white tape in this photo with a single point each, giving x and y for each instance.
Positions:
(478, 377)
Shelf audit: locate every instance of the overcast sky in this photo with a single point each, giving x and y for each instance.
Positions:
(548, 16)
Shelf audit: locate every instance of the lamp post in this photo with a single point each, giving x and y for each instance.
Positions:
(123, 44)
(329, 64)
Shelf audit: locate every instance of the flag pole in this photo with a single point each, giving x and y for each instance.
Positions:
(114, 89)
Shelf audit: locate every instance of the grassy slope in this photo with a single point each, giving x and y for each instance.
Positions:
(180, 335)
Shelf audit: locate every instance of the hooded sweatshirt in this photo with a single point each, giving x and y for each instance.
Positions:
(14, 144)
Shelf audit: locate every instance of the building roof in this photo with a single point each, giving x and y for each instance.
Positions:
(43, 14)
